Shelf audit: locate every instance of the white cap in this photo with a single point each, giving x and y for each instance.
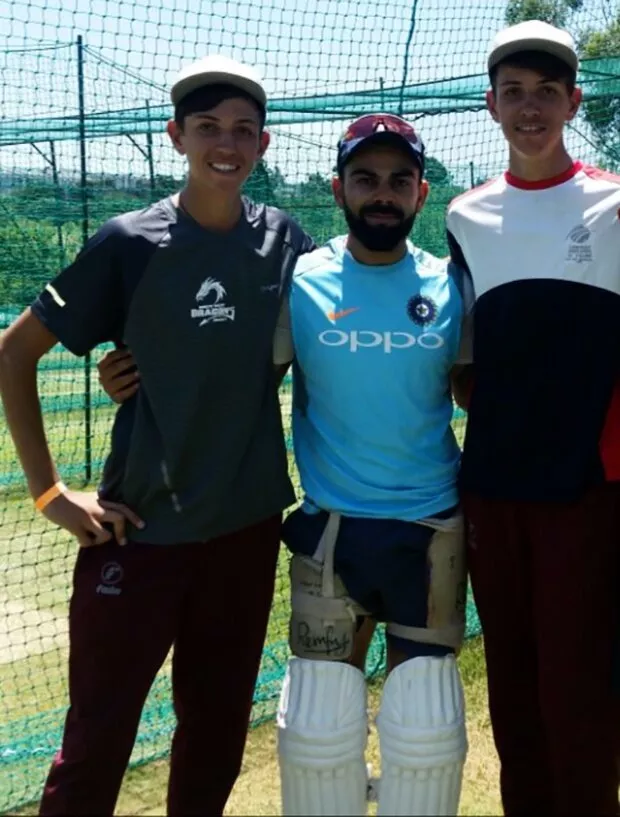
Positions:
(217, 69)
(534, 35)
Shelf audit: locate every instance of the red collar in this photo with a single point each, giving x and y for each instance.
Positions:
(542, 184)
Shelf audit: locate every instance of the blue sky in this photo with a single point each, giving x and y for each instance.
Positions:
(300, 46)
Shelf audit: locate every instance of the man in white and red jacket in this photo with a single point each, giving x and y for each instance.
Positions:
(541, 463)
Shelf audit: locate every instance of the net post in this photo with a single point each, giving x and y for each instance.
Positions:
(149, 149)
(88, 458)
(54, 166)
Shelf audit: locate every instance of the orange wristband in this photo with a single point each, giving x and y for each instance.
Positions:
(44, 500)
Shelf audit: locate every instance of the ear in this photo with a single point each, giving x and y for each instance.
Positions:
(176, 136)
(337, 190)
(492, 105)
(422, 195)
(575, 102)
(265, 139)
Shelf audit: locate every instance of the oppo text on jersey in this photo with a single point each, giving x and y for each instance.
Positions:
(367, 339)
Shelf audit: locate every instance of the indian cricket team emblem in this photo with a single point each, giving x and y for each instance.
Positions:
(422, 310)
(211, 307)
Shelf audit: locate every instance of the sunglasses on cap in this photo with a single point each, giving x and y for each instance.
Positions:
(375, 123)
(372, 126)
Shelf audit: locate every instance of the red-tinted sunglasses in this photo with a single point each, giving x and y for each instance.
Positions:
(375, 123)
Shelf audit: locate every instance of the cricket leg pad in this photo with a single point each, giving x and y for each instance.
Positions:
(423, 741)
(322, 727)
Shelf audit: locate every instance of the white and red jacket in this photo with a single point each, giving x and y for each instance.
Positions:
(544, 259)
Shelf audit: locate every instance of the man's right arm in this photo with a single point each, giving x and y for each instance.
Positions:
(462, 382)
(80, 309)
(462, 374)
(21, 347)
(82, 514)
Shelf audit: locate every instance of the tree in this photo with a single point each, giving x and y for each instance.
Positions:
(317, 188)
(30, 256)
(312, 203)
(435, 173)
(603, 115)
(263, 183)
(556, 12)
(165, 185)
(429, 231)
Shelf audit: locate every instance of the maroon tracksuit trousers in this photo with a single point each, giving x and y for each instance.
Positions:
(545, 582)
(130, 605)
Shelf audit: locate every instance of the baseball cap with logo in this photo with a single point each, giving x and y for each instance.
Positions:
(380, 129)
(533, 35)
(215, 70)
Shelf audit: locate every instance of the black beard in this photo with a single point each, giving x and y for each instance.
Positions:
(378, 237)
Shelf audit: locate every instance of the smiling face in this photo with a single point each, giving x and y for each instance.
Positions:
(532, 109)
(221, 144)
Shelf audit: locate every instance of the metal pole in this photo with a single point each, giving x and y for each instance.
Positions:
(382, 97)
(149, 150)
(51, 161)
(414, 8)
(54, 166)
(88, 464)
(472, 178)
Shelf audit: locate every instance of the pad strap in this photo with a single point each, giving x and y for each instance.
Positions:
(447, 587)
(445, 637)
(324, 554)
(323, 608)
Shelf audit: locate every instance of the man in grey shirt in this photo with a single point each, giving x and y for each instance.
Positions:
(197, 468)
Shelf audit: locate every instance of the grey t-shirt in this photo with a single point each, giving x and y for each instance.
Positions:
(199, 450)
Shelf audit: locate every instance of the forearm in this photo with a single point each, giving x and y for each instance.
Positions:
(22, 408)
(462, 381)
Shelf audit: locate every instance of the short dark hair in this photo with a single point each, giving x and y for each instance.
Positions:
(208, 97)
(548, 65)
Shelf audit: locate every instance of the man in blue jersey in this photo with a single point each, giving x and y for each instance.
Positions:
(374, 329)
(376, 332)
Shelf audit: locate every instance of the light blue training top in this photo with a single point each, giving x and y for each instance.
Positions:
(374, 346)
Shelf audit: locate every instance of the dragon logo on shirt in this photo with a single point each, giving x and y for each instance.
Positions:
(211, 308)
(211, 286)
(422, 310)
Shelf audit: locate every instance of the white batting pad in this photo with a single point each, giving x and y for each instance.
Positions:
(421, 726)
(322, 732)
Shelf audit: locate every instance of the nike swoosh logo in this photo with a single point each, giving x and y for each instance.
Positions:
(334, 316)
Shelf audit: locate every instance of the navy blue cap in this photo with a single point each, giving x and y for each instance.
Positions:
(380, 129)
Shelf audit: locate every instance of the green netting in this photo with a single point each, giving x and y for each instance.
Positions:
(83, 104)
(599, 79)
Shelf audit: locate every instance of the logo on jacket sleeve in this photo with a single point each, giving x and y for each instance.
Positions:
(211, 307)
